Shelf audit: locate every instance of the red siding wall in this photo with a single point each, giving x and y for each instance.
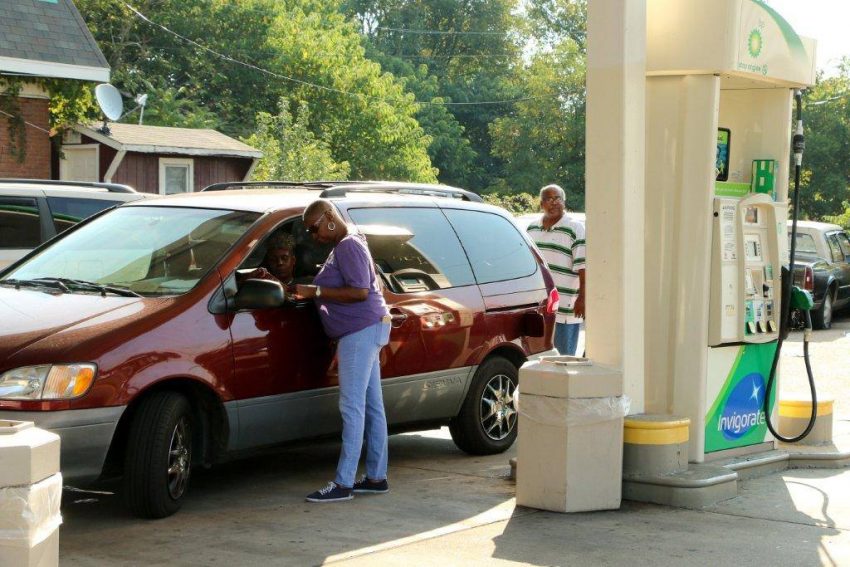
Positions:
(141, 171)
(37, 162)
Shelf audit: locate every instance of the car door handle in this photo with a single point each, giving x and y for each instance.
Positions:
(397, 318)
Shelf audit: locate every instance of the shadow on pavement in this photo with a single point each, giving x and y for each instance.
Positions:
(252, 512)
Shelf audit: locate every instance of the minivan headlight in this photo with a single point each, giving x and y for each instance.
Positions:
(47, 382)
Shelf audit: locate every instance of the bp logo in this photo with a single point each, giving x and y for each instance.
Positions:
(755, 43)
(743, 410)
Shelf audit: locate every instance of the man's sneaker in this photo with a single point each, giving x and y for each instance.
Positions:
(364, 486)
(331, 493)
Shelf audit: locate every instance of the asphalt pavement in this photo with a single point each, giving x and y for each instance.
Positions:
(447, 508)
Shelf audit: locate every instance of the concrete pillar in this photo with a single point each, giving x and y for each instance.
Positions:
(30, 495)
(616, 90)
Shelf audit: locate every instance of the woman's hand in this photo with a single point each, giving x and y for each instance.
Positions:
(337, 294)
(303, 291)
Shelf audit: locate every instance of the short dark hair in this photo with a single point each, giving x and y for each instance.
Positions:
(281, 240)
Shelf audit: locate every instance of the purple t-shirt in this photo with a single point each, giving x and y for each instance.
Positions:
(350, 265)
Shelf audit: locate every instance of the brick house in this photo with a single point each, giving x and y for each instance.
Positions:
(42, 38)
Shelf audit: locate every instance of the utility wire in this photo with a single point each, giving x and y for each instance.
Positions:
(438, 32)
(36, 126)
(147, 20)
(828, 100)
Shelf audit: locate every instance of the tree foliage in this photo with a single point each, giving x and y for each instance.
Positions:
(312, 52)
(826, 169)
(470, 47)
(291, 150)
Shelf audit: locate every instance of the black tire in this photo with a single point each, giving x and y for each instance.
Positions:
(487, 422)
(822, 318)
(159, 455)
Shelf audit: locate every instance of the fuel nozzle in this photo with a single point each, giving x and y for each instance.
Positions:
(798, 143)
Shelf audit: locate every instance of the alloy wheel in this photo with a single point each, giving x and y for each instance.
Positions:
(179, 458)
(498, 407)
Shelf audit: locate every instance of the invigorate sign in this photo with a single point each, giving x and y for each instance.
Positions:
(736, 417)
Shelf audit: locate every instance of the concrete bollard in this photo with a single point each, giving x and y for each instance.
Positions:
(30, 495)
(570, 444)
(655, 444)
(794, 416)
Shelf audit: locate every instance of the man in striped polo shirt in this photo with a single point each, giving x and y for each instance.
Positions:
(561, 241)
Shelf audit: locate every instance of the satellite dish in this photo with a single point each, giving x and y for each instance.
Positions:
(109, 100)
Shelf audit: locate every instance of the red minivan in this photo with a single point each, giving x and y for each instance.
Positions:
(129, 336)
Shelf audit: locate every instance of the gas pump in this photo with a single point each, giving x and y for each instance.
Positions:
(721, 78)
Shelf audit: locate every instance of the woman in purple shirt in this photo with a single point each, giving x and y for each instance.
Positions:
(352, 309)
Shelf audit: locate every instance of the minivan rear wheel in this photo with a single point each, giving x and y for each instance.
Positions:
(487, 422)
(159, 455)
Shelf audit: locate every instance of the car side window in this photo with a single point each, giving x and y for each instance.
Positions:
(68, 211)
(309, 254)
(805, 243)
(20, 225)
(415, 248)
(834, 247)
(496, 249)
(844, 242)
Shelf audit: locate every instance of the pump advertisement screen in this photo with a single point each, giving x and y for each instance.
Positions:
(721, 162)
(736, 417)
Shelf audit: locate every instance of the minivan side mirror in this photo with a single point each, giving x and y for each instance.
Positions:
(259, 294)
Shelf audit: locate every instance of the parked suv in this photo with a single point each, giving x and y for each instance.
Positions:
(132, 338)
(33, 211)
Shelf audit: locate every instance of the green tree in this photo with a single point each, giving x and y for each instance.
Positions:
(290, 150)
(471, 47)
(826, 170)
(313, 54)
(543, 140)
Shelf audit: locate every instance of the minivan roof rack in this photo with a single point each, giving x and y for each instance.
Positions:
(223, 186)
(111, 187)
(342, 188)
(426, 190)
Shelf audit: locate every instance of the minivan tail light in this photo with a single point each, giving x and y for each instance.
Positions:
(809, 279)
(553, 302)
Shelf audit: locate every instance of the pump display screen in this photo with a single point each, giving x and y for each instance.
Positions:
(752, 247)
(721, 162)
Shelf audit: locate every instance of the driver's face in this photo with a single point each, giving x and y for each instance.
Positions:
(281, 263)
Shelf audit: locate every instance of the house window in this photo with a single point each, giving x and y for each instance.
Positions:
(176, 176)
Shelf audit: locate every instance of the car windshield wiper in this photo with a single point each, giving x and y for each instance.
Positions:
(69, 283)
(51, 283)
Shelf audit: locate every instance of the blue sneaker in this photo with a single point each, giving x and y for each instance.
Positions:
(365, 486)
(331, 493)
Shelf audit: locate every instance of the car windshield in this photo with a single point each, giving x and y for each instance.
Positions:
(142, 250)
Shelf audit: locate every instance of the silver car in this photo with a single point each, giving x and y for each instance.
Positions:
(33, 211)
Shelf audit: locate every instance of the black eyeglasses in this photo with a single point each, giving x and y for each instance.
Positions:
(314, 228)
(556, 198)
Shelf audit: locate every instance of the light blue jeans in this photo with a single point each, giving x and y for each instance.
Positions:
(362, 404)
(566, 338)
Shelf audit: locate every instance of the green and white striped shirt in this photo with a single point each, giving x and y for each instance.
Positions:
(563, 248)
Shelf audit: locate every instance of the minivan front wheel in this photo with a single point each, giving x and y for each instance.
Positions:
(159, 455)
(487, 422)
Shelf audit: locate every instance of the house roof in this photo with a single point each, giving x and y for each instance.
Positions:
(48, 38)
(167, 140)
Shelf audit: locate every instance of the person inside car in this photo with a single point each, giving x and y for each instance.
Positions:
(352, 309)
(278, 263)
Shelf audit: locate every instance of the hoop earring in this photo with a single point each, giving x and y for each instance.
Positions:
(332, 226)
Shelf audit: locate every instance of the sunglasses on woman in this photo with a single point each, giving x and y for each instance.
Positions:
(314, 228)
